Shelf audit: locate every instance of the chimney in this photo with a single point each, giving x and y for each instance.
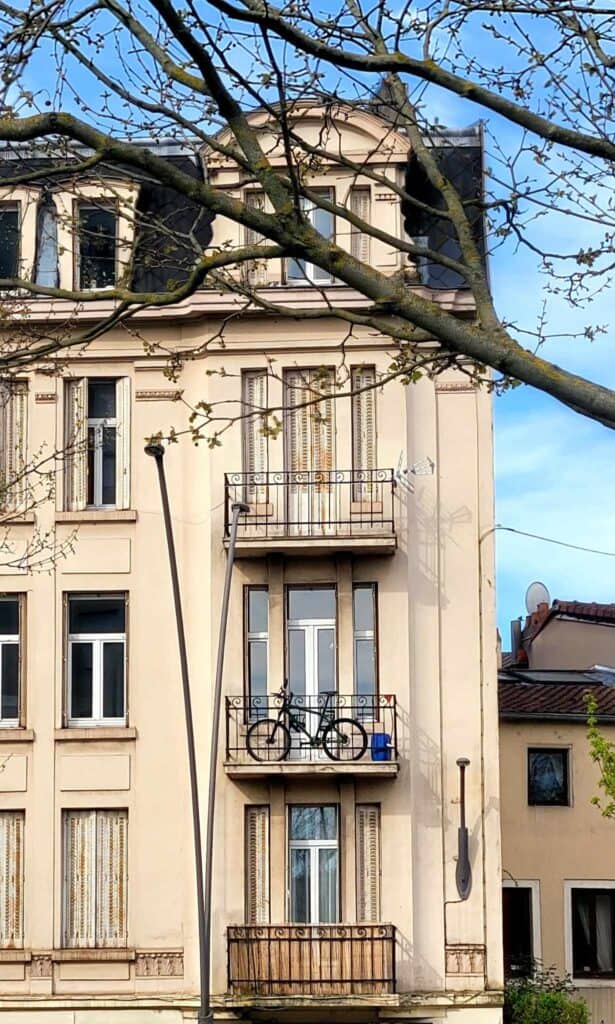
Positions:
(515, 637)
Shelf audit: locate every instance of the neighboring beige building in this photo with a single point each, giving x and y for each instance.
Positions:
(357, 580)
(557, 849)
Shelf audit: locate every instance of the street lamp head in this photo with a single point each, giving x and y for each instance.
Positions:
(155, 449)
(463, 762)
(240, 506)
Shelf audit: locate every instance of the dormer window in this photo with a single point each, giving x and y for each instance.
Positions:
(9, 240)
(96, 245)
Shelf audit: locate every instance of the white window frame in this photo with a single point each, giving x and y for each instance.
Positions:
(533, 884)
(10, 638)
(98, 640)
(255, 636)
(314, 846)
(365, 634)
(310, 270)
(97, 424)
(569, 885)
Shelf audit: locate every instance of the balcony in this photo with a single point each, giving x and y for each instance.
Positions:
(332, 734)
(311, 960)
(310, 512)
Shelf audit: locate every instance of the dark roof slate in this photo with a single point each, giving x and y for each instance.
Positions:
(552, 694)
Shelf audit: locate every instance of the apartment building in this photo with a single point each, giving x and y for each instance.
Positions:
(557, 865)
(359, 584)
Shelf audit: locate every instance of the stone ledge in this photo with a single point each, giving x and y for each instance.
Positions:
(17, 735)
(92, 955)
(98, 515)
(87, 735)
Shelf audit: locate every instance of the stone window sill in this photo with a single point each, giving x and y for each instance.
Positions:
(98, 515)
(112, 732)
(27, 519)
(92, 955)
(19, 735)
(15, 956)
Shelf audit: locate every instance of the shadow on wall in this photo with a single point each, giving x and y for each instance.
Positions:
(431, 527)
(412, 970)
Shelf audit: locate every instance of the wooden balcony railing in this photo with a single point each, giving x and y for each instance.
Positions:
(311, 959)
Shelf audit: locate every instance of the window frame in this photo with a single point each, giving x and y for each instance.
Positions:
(606, 980)
(20, 640)
(314, 846)
(533, 885)
(309, 627)
(550, 748)
(17, 205)
(98, 423)
(101, 203)
(363, 634)
(308, 278)
(249, 637)
(99, 639)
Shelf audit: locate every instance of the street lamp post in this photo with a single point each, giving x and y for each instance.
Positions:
(203, 869)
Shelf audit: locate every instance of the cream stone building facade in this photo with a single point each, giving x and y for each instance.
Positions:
(557, 864)
(359, 581)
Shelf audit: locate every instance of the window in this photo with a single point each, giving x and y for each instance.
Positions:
(255, 447)
(11, 879)
(367, 823)
(13, 445)
(593, 931)
(10, 616)
(96, 660)
(365, 651)
(9, 240)
(363, 380)
(298, 271)
(95, 879)
(519, 926)
(548, 777)
(313, 859)
(311, 642)
(360, 205)
(97, 245)
(309, 450)
(255, 271)
(257, 648)
(97, 439)
(257, 864)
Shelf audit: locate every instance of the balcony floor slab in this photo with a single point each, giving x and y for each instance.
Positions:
(259, 547)
(368, 769)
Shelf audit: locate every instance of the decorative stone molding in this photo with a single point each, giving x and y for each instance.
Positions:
(465, 959)
(160, 963)
(455, 385)
(45, 396)
(41, 965)
(159, 395)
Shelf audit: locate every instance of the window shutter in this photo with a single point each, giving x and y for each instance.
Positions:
(255, 446)
(256, 270)
(359, 240)
(13, 444)
(79, 879)
(76, 441)
(111, 878)
(321, 417)
(257, 865)
(122, 464)
(363, 430)
(297, 425)
(11, 879)
(368, 862)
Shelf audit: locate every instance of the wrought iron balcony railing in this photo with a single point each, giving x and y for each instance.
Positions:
(331, 728)
(335, 503)
(311, 959)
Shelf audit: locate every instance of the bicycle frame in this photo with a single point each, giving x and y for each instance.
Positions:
(290, 712)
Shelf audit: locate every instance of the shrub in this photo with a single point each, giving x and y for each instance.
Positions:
(543, 999)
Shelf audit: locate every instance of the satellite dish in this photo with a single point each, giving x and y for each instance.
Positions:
(536, 594)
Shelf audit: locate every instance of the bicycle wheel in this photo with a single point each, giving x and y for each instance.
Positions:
(345, 740)
(268, 740)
